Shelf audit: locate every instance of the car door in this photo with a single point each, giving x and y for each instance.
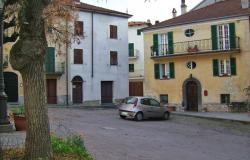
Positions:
(145, 107)
(157, 110)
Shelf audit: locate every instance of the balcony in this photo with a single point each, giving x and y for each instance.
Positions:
(55, 69)
(196, 47)
(133, 55)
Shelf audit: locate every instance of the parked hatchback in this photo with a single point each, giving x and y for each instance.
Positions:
(140, 108)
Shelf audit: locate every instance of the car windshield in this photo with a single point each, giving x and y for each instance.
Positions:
(130, 100)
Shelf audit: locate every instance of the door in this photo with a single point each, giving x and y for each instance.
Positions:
(77, 92)
(51, 91)
(223, 37)
(107, 92)
(11, 86)
(135, 88)
(192, 96)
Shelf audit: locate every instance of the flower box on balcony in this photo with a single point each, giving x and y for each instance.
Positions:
(194, 49)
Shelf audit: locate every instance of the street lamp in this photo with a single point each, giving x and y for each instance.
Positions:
(4, 120)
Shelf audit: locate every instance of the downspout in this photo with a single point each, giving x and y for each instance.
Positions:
(92, 45)
(67, 67)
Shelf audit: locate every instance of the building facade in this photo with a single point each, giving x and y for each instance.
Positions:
(136, 57)
(199, 61)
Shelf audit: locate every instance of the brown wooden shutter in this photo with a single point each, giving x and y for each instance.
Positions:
(78, 56)
(113, 31)
(79, 28)
(113, 58)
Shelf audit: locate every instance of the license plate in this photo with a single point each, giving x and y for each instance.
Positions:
(124, 113)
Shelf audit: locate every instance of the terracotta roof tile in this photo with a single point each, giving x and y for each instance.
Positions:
(91, 8)
(223, 9)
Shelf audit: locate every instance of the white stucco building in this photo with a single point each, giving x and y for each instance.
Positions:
(98, 60)
(136, 57)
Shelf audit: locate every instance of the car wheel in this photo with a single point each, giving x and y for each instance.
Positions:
(122, 117)
(166, 116)
(139, 116)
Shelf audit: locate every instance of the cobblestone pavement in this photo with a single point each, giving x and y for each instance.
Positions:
(108, 137)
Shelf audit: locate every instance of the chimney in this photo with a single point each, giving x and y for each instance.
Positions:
(174, 12)
(183, 7)
(156, 22)
(245, 4)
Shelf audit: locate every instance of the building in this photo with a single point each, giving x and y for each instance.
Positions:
(98, 60)
(90, 71)
(199, 61)
(136, 57)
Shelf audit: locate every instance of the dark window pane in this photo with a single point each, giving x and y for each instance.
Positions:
(113, 58)
(78, 58)
(164, 98)
(131, 68)
(225, 98)
(138, 32)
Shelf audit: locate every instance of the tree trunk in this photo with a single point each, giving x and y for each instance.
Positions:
(27, 56)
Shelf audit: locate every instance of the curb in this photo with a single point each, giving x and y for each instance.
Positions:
(211, 118)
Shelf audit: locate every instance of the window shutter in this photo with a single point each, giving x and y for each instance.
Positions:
(232, 35)
(157, 71)
(170, 43)
(171, 70)
(131, 49)
(214, 37)
(78, 57)
(233, 66)
(50, 60)
(155, 44)
(216, 67)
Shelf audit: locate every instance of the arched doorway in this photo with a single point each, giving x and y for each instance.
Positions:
(192, 94)
(77, 90)
(11, 86)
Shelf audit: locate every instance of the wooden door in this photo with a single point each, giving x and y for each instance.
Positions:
(107, 92)
(51, 91)
(192, 96)
(11, 86)
(77, 93)
(135, 88)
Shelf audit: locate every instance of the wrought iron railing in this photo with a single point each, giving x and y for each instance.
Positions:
(196, 46)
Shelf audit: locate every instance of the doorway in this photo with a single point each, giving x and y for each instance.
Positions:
(77, 90)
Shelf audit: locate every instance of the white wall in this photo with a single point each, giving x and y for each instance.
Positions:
(102, 47)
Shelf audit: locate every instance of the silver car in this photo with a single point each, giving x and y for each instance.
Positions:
(140, 108)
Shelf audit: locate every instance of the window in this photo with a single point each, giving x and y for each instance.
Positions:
(224, 67)
(189, 32)
(225, 98)
(138, 32)
(223, 36)
(131, 49)
(131, 68)
(113, 31)
(79, 28)
(191, 65)
(145, 101)
(163, 43)
(164, 98)
(113, 58)
(78, 58)
(154, 103)
(164, 71)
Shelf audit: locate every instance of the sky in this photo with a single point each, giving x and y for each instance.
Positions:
(141, 11)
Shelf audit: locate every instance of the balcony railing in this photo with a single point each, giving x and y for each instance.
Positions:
(195, 47)
(55, 68)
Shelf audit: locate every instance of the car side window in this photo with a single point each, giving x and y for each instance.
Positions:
(145, 101)
(154, 103)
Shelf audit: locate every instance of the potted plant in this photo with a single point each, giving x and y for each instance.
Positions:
(19, 118)
(247, 93)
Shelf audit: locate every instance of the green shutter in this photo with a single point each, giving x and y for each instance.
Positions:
(171, 70)
(214, 37)
(216, 67)
(50, 60)
(131, 67)
(157, 71)
(170, 43)
(233, 66)
(155, 44)
(131, 49)
(232, 35)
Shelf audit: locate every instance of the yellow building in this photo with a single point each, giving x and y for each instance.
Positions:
(200, 61)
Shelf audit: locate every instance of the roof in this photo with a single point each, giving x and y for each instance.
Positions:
(219, 10)
(91, 8)
(137, 23)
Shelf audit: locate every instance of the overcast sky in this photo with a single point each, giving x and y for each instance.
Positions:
(141, 11)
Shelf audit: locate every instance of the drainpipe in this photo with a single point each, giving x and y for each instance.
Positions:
(92, 45)
(67, 67)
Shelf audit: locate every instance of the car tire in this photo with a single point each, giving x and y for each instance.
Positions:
(122, 117)
(166, 116)
(139, 116)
